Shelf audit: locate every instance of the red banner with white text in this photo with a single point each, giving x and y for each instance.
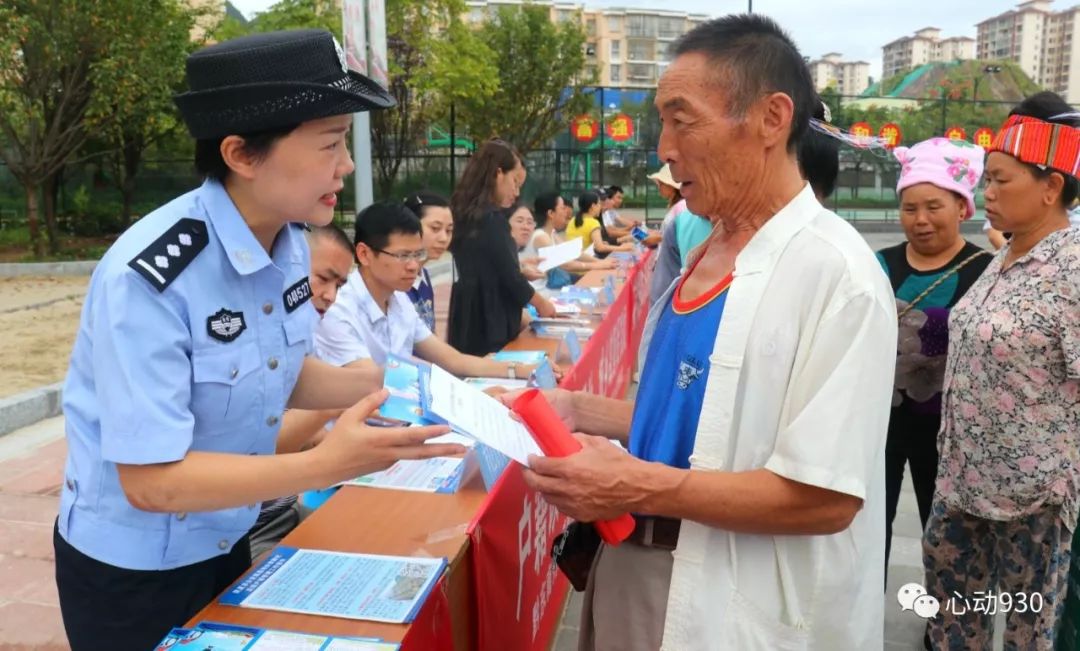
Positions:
(519, 589)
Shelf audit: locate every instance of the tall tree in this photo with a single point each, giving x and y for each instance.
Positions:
(299, 14)
(142, 103)
(540, 66)
(56, 59)
(434, 60)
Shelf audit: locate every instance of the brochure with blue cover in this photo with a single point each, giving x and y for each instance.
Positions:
(407, 380)
(520, 356)
(337, 584)
(226, 637)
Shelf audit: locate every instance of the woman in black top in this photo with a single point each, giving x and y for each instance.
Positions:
(489, 290)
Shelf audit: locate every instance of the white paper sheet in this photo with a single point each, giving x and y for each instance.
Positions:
(558, 254)
(473, 412)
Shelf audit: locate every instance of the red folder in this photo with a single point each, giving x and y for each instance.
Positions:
(554, 439)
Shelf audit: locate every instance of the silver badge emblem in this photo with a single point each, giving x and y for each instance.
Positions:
(341, 56)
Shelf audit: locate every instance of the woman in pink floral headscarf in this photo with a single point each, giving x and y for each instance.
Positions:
(929, 273)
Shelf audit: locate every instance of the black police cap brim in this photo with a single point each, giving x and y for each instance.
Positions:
(251, 108)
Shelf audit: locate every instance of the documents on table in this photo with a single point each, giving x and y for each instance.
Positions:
(230, 637)
(356, 586)
(558, 254)
(436, 475)
(475, 413)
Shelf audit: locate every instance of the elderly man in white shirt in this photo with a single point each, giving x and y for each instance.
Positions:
(757, 441)
(373, 317)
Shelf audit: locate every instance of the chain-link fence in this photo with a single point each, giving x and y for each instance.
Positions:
(613, 144)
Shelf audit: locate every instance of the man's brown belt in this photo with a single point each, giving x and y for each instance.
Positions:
(656, 532)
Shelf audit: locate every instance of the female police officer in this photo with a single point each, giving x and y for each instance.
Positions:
(194, 339)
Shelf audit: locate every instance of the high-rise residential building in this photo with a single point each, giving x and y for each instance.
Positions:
(1040, 40)
(847, 77)
(926, 46)
(210, 15)
(625, 47)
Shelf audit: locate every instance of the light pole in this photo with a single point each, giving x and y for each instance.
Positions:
(750, 6)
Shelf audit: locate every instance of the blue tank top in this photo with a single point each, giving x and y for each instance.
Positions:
(668, 406)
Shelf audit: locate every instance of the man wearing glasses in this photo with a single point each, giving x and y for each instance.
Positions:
(373, 316)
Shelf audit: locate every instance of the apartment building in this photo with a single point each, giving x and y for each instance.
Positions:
(847, 77)
(1042, 41)
(210, 15)
(625, 47)
(926, 46)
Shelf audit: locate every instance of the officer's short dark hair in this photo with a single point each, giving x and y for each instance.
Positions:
(210, 165)
(331, 233)
(614, 190)
(376, 223)
(753, 56)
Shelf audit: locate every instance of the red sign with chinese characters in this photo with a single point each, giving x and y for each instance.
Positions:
(519, 590)
(583, 128)
(861, 130)
(891, 134)
(984, 137)
(620, 128)
(956, 133)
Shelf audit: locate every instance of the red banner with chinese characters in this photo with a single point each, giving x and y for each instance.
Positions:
(891, 134)
(641, 278)
(432, 630)
(620, 128)
(956, 133)
(984, 137)
(519, 589)
(607, 360)
(583, 128)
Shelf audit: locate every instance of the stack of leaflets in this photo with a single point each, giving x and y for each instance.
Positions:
(557, 328)
(228, 637)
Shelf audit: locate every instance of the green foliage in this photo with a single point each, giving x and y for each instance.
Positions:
(284, 14)
(537, 60)
(434, 59)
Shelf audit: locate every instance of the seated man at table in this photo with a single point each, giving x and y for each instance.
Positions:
(373, 316)
(331, 261)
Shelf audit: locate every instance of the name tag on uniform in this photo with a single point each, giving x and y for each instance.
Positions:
(297, 295)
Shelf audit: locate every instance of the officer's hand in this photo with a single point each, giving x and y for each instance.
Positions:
(354, 448)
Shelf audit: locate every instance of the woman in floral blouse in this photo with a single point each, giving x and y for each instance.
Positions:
(929, 273)
(1009, 477)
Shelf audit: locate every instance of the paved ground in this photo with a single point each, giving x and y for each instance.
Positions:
(31, 464)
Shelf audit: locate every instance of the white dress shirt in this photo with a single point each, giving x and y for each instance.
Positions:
(354, 327)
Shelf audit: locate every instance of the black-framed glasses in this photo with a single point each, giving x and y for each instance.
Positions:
(405, 256)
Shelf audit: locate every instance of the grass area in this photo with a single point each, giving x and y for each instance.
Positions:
(15, 247)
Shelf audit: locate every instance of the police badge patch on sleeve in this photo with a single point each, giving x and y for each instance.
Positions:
(297, 295)
(225, 325)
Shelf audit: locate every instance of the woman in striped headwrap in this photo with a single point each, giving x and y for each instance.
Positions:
(1008, 487)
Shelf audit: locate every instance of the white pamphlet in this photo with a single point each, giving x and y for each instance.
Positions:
(558, 254)
(471, 411)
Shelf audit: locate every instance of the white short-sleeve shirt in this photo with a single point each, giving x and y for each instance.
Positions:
(354, 328)
(800, 384)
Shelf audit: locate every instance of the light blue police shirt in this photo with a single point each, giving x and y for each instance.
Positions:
(191, 338)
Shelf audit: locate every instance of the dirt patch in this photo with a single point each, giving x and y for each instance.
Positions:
(37, 341)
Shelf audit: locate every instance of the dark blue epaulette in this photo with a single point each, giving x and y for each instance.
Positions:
(161, 262)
